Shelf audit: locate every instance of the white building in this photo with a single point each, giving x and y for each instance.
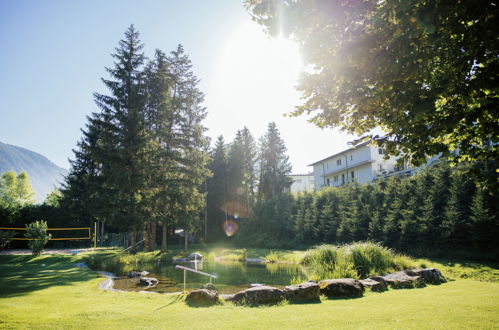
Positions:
(302, 182)
(361, 163)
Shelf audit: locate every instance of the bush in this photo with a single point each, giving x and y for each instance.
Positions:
(5, 238)
(38, 232)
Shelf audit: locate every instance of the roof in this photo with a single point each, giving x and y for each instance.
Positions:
(342, 152)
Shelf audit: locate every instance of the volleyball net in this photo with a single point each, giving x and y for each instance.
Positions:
(81, 233)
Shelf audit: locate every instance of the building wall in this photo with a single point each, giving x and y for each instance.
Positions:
(366, 161)
(302, 182)
(381, 165)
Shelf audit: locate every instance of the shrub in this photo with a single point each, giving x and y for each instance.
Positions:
(38, 232)
(5, 238)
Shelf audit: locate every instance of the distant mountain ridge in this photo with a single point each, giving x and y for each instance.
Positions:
(44, 175)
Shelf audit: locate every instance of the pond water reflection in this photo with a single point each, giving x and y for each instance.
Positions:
(232, 276)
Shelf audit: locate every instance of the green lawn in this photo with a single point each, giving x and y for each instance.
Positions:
(58, 295)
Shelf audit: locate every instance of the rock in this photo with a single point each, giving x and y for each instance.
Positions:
(256, 260)
(374, 284)
(202, 297)
(133, 274)
(262, 295)
(148, 281)
(209, 286)
(227, 297)
(342, 287)
(194, 256)
(308, 291)
(401, 280)
(428, 275)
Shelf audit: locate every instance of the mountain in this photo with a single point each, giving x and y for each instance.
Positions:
(44, 174)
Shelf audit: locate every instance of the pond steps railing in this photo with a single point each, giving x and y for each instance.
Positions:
(185, 269)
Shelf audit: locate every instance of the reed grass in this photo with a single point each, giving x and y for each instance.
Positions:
(356, 260)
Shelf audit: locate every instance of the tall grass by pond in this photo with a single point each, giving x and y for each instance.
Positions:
(356, 260)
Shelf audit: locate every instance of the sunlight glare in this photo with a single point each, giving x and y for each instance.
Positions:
(255, 78)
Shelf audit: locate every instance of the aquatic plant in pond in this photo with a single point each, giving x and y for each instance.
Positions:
(356, 260)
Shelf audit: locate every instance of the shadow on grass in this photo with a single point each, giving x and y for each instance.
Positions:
(24, 274)
(305, 302)
(345, 298)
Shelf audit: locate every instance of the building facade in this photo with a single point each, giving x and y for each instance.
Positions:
(302, 182)
(362, 163)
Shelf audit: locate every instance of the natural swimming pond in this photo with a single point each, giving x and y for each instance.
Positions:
(232, 276)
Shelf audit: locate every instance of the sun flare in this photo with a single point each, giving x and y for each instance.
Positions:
(255, 77)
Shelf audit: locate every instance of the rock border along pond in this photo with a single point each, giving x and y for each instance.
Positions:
(310, 291)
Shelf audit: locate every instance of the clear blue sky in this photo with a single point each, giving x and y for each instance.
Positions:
(54, 53)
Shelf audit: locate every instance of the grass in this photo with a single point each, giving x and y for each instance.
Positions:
(58, 295)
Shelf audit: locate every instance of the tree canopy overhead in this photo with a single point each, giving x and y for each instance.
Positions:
(423, 71)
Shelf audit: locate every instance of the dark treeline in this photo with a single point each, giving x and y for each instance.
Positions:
(438, 211)
(244, 172)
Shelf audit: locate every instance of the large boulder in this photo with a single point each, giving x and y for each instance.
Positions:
(342, 287)
(133, 274)
(194, 256)
(202, 297)
(148, 281)
(376, 283)
(308, 291)
(401, 280)
(428, 275)
(262, 295)
(209, 286)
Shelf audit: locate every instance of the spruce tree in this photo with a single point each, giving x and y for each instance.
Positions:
(274, 164)
(124, 144)
(187, 99)
(217, 189)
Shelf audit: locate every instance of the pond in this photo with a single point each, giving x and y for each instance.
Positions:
(231, 276)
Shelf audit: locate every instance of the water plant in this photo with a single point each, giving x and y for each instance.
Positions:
(356, 260)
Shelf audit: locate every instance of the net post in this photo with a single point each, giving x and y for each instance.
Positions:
(185, 275)
(95, 234)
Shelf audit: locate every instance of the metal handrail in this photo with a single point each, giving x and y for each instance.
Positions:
(194, 271)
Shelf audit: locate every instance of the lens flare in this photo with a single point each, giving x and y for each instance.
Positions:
(230, 227)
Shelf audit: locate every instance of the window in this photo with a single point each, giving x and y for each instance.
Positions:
(353, 176)
(380, 168)
(327, 181)
(343, 179)
(335, 178)
(351, 157)
(381, 151)
(338, 162)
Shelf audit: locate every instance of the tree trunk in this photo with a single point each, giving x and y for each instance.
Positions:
(163, 238)
(132, 242)
(186, 239)
(145, 238)
(152, 241)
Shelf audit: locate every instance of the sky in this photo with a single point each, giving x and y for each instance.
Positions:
(54, 54)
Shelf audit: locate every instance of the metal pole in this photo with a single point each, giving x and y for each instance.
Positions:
(95, 234)
(185, 275)
(206, 210)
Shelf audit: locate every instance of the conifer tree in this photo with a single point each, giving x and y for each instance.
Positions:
(192, 170)
(123, 148)
(217, 188)
(274, 164)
